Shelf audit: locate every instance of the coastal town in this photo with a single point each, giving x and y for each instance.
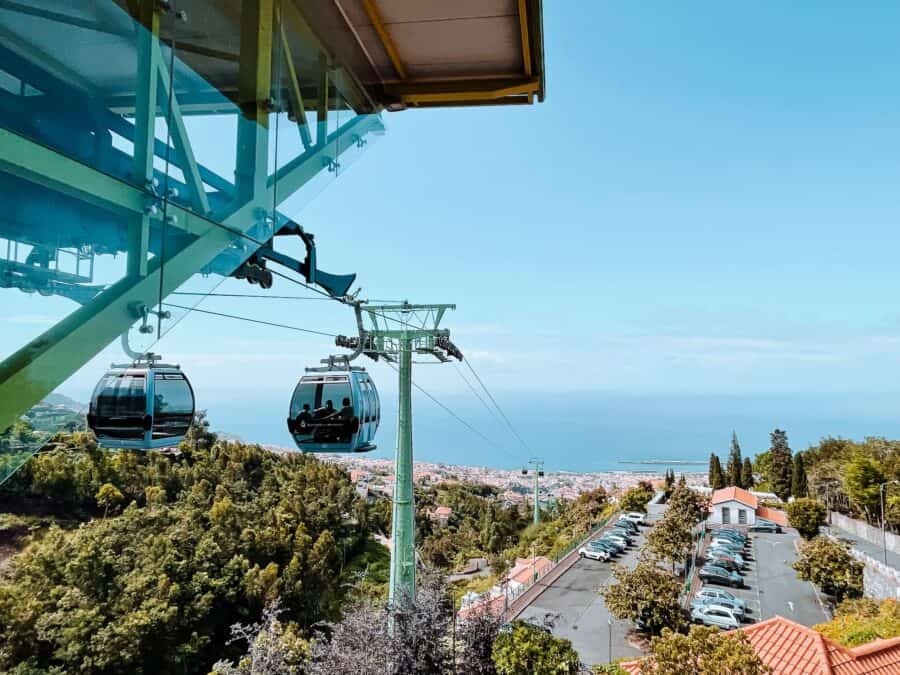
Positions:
(516, 486)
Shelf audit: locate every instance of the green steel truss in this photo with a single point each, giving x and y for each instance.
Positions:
(37, 368)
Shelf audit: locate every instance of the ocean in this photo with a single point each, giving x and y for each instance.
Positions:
(588, 432)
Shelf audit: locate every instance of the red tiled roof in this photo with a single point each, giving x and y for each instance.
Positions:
(734, 494)
(443, 511)
(791, 649)
(774, 515)
(523, 571)
(493, 606)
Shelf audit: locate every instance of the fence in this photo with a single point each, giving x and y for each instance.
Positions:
(500, 599)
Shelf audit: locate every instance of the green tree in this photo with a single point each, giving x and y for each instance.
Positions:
(108, 496)
(806, 515)
(703, 651)
(780, 463)
(716, 476)
(670, 481)
(687, 505)
(671, 538)
(747, 473)
(646, 595)
(528, 649)
(863, 477)
(799, 487)
(863, 620)
(636, 499)
(827, 563)
(733, 472)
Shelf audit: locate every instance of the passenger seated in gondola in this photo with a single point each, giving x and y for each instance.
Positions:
(346, 416)
(304, 418)
(321, 417)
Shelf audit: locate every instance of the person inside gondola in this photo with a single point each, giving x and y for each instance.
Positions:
(346, 416)
(322, 418)
(304, 418)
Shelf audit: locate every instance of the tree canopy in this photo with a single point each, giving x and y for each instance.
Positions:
(827, 563)
(806, 515)
(646, 595)
(703, 651)
(524, 648)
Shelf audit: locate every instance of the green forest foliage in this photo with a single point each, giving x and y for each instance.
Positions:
(480, 526)
(859, 621)
(190, 544)
(846, 475)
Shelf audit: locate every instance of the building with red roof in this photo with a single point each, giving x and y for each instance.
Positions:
(736, 506)
(790, 648)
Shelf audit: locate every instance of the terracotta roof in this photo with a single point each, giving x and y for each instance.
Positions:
(494, 605)
(773, 515)
(734, 494)
(523, 570)
(443, 511)
(791, 649)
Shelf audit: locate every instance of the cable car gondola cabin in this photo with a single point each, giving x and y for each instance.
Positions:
(335, 411)
(142, 406)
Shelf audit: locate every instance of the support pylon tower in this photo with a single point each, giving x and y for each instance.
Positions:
(398, 333)
(537, 467)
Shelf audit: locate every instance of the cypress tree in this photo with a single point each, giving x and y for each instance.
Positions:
(716, 477)
(780, 462)
(799, 486)
(747, 474)
(733, 473)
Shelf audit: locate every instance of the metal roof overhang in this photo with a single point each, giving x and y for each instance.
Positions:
(433, 53)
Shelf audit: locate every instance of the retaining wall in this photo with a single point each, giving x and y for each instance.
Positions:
(866, 531)
(880, 582)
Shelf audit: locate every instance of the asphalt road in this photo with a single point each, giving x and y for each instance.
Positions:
(577, 612)
(772, 586)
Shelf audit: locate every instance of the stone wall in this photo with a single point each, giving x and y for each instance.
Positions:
(880, 582)
(866, 531)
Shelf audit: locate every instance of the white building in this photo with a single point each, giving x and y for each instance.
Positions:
(736, 506)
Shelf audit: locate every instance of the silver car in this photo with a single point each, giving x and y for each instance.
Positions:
(715, 615)
(593, 553)
(707, 593)
(737, 610)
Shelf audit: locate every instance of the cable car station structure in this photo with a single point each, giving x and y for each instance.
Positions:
(146, 144)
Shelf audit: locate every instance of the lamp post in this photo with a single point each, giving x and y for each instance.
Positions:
(882, 489)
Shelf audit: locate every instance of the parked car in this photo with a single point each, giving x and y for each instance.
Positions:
(636, 517)
(614, 541)
(728, 604)
(722, 560)
(731, 534)
(726, 543)
(627, 524)
(594, 553)
(722, 595)
(717, 552)
(607, 546)
(766, 526)
(616, 538)
(715, 615)
(622, 532)
(618, 541)
(716, 574)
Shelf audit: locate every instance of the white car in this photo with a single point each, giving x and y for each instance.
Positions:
(593, 553)
(715, 615)
(635, 517)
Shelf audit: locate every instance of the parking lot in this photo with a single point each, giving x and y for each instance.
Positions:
(771, 584)
(577, 612)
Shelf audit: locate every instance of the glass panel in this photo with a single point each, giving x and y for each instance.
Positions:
(172, 395)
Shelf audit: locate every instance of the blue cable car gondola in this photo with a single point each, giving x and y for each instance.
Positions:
(142, 406)
(335, 409)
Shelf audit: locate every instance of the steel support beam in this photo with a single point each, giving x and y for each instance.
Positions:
(148, 57)
(402, 588)
(35, 370)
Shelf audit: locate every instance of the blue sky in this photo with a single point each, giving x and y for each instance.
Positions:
(705, 206)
